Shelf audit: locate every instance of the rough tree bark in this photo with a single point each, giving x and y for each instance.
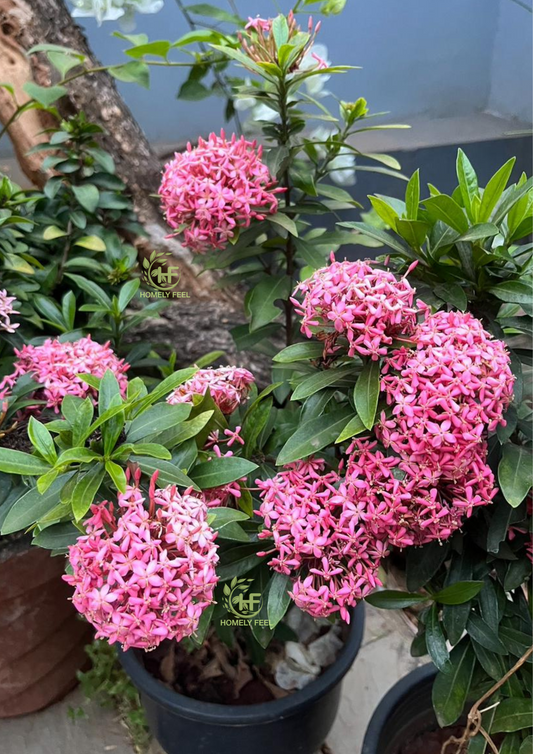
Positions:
(25, 23)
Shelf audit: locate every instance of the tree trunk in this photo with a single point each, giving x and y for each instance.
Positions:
(26, 23)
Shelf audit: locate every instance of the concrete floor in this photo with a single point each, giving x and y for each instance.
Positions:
(383, 659)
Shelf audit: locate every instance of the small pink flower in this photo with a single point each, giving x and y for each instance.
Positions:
(144, 575)
(367, 306)
(211, 191)
(6, 311)
(228, 387)
(56, 366)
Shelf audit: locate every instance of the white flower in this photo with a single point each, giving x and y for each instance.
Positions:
(315, 57)
(264, 112)
(342, 168)
(112, 10)
(245, 103)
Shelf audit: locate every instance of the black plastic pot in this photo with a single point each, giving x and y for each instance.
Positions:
(296, 724)
(404, 712)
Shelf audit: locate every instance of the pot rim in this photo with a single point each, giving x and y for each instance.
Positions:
(394, 696)
(232, 715)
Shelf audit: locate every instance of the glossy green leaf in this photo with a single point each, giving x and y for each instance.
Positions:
(436, 642)
(366, 393)
(514, 473)
(17, 462)
(319, 380)
(512, 715)
(390, 599)
(444, 208)
(313, 435)
(262, 298)
(220, 471)
(456, 594)
(42, 440)
(278, 598)
(450, 689)
(494, 189)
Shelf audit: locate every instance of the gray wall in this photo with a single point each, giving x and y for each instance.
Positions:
(435, 58)
(511, 90)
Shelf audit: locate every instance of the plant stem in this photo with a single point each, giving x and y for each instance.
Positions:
(289, 245)
(219, 78)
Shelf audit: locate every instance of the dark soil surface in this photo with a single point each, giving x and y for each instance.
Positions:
(215, 672)
(431, 741)
(197, 327)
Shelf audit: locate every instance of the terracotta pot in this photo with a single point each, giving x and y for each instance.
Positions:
(42, 639)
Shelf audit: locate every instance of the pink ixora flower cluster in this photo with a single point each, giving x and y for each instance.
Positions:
(228, 387)
(446, 393)
(56, 365)
(145, 574)
(6, 312)
(319, 539)
(358, 302)
(210, 191)
(402, 503)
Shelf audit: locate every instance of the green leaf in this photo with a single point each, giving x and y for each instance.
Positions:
(153, 449)
(211, 11)
(278, 598)
(77, 455)
(477, 232)
(387, 213)
(436, 642)
(354, 427)
(117, 474)
(514, 473)
(94, 243)
(313, 435)
(93, 289)
(413, 231)
(444, 208)
(319, 380)
(57, 537)
(237, 561)
(366, 393)
(527, 746)
(285, 222)
(412, 196)
(33, 505)
(219, 517)
(87, 195)
(300, 352)
(513, 291)
(456, 594)
(453, 294)
(511, 197)
(134, 72)
(450, 689)
(494, 189)
(511, 715)
(85, 490)
(379, 235)
(17, 462)
(262, 297)
(45, 95)
(159, 48)
(423, 563)
(165, 387)
(468, 184)
(484, 635)
(390, 599)
(169, 473)
(42, 440)
(220, 471)
(52, 232)
(156, 419)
